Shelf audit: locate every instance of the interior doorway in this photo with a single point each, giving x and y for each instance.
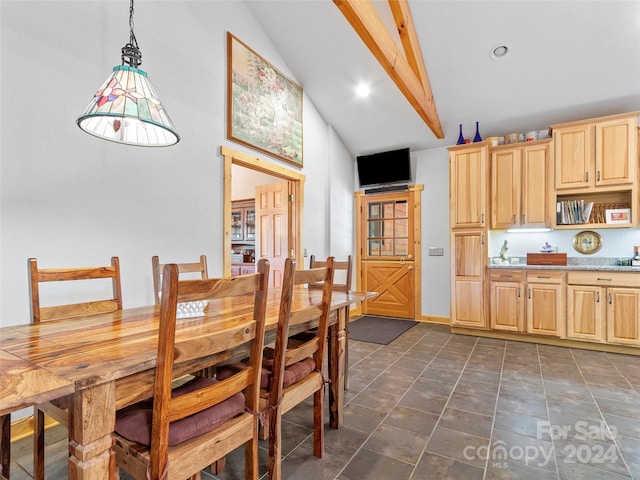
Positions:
(295, 198)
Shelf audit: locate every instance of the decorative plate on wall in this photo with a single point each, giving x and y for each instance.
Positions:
(587, 242)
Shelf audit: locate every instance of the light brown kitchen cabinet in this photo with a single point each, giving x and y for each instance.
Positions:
(243, 221)
(596, 153)
(545, 311)
(506, 304)
(604, 306)
(586, 313)
(468, 284)
(520, 185)
(468, 176)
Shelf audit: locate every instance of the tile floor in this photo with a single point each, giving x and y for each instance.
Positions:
(431, 405)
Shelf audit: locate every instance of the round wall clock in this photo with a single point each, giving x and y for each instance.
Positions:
(587, 242)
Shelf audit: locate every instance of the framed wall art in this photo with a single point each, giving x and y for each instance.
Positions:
(264, 107)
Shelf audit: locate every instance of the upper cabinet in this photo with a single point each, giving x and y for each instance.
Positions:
(595, 154)
(243, 221)
(520, 185)
(469, 178)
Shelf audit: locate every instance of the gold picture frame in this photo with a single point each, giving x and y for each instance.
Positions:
(264, 107)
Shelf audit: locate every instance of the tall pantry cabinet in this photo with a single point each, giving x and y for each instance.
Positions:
(468, 200)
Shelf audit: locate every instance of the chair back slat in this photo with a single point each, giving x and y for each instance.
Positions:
(343, 272)
(190, 267)
(40, 275)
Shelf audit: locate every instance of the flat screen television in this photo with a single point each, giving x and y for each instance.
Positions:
(384, 168)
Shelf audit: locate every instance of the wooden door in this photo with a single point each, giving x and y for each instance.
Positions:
(545, 307)
(535, 186)
(468, 285)
(505, 188)
(615, 153)
(468, 177)
(387, 227)
(507, 300)
(272, 218)
(573, 156)
(585, 312)
(623, 315)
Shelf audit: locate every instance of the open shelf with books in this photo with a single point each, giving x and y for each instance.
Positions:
(613, 209)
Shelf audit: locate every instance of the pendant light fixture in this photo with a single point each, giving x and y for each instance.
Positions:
(126, 109)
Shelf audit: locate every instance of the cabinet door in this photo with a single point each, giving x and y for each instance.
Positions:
(237, 221)
(535, 186)
(505, 188)
(545, 309)
(585, 312)
(573, 156)
(250, 223)
(623, 315)
(468, 279)
(507, 307)
(616, 151)
(468, 186)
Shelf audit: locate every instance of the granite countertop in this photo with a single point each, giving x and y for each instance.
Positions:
(609, 264)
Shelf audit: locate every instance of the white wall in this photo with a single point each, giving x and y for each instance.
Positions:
(71, 199)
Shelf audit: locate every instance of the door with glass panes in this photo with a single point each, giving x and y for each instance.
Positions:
(387, 260)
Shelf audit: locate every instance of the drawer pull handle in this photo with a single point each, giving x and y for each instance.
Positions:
(544, 276)
(597, 297)
(546, 263)
(504, 275)
(610, 298)
(600, 279)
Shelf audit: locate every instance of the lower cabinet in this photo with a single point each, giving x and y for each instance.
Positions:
(507, 305)
(604, 307)
(546, 303)
(468, 285)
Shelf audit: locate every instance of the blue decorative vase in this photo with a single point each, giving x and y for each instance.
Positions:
(477, 138)
(460, 137)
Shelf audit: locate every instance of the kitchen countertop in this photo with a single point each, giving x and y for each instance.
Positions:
(608, 264)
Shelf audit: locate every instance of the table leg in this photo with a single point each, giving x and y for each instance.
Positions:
(92, 420)
(336, 359)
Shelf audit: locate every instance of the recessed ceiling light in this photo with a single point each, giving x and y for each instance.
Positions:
(499, 52)
(363, 90)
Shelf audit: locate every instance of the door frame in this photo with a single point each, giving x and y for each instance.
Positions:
(296, 182)
(416, 193)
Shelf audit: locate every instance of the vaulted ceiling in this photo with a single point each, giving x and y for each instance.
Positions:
(567, 60)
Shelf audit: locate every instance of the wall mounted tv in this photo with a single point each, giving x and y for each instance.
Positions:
(384, 168)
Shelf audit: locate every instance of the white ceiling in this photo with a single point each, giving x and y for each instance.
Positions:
(568, 60)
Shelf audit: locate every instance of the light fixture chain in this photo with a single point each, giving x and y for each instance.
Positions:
(131, 54)
(132, 36)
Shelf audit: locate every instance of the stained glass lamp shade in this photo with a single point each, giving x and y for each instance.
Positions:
(126, 109)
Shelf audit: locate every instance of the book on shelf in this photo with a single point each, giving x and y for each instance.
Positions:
(572, 212)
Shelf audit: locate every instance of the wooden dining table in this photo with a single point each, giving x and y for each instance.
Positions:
(107, 361)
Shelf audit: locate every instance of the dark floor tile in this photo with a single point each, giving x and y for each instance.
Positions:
(412, 420)
(479, 403)
(613, 379)
(362, 418)
(450, 376)
(498, 469)
(627, 394)
(519, 376)
(529, 425)
(630, 448)
(599, 455)
(433, 466)
(466, 422)
(565, 405)
(424, 401)
(629, 427)
(435, 387)
(377, 400)
(615, 407)
(470, 387)
(397, 443)
(530, 451)
(459, 446)
(586, 471)
(482, 376)
(343, 442)
(368, 464)
(302, 464)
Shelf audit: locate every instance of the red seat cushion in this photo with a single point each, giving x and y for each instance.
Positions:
(134, 422)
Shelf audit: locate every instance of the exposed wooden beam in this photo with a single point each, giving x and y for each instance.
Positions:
(406, 68)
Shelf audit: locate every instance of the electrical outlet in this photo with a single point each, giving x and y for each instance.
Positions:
(436, 251)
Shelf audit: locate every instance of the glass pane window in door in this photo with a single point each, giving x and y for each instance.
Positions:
(402, 247)
(374, 210)
(375, 229)
(250, 225)
(236, 225)
(374, 247)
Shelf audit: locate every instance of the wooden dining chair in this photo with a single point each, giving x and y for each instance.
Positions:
(194, 267)
(59, 409)
(296, 367)
(341, 283)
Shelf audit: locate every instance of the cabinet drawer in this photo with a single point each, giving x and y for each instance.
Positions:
(605, 279)
(554, 277)
(506, 275)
